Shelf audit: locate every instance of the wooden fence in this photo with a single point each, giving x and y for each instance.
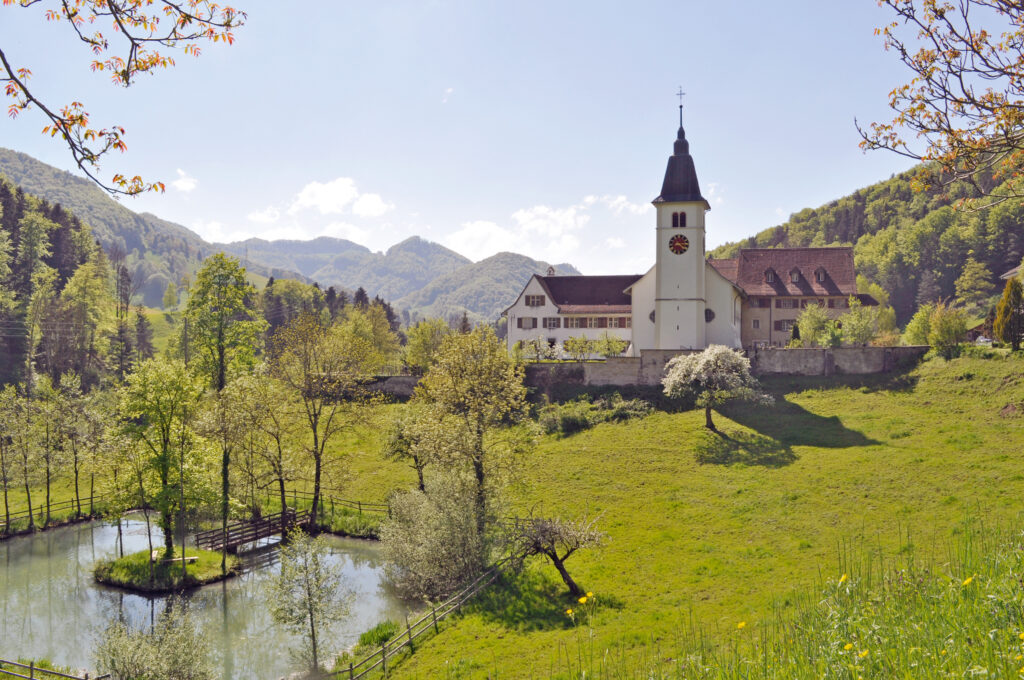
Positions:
(422, 625)
(35, 673)
(325, 499)
(39, 512)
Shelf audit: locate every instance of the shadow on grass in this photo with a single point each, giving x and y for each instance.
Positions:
(748, 448)
(528, 601)
(790, 424)
(897, 381)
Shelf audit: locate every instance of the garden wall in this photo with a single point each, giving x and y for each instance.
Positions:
(839, 360)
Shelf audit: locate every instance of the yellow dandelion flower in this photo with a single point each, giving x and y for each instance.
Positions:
(590, 594)
(583, 600)
(741, 624)
(967, 581)
(569, 612)
(863, 654)
(943, 652)
(1018, 657)
(848, 646)
(842, 579)
(1021, 636)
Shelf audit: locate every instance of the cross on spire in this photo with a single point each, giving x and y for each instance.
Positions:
(680, 94)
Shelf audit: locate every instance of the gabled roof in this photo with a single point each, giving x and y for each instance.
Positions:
(680, 182)
(747, 270)
(594, 293)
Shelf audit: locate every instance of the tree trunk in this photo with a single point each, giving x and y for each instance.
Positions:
(78, 497)
(708, 423)
(560, 566)
(284, 504)
(313, 515)
(419, 472)
(28, 499)
(225, 461)
(47, 493)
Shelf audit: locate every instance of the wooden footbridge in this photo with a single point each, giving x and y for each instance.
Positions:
(250, 531)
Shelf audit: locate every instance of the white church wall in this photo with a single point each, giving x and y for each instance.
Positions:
(643, 305)
(723, 299)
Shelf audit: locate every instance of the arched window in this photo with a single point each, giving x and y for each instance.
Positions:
(675, 220)
(682, 219)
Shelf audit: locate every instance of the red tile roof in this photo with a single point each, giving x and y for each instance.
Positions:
(596, 293)
(748, 269)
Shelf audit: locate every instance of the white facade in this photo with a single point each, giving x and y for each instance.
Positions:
(681, 303)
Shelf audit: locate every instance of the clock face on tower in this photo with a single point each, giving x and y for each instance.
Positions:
(678, 244)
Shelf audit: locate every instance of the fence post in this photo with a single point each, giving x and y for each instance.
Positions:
(384, 657)
(409, 631)
(31, 669)
(350, 674)
(360, 504)
(433, 610)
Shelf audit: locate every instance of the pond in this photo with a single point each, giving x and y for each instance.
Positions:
(50, 607)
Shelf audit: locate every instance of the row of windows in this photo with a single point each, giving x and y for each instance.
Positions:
(530, 322)
(801, 303)
(820, 275)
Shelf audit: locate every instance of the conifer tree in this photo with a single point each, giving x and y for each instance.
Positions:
(1009, 323)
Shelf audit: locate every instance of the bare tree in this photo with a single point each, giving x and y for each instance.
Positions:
(557, 539)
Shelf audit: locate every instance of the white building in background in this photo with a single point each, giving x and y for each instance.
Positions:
(686, 301)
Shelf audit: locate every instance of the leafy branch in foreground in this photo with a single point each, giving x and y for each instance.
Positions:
(965, 101)
(142, 31)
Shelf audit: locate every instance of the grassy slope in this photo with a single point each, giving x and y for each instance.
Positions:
(862, 462)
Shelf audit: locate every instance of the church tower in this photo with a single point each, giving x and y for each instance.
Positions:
(679, 298)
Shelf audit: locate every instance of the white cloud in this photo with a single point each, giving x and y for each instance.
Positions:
(480, 238)
(780, 213)
(347, 231)
(268, 215)
(714, 193)
(329, 199)
(371, 205)
(184, 183)
(615, 242)
(620, 204)
(447, 93)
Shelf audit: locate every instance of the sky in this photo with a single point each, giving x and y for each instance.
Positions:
(536, 127)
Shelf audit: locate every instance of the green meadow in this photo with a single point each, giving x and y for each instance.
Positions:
(708, 532)
(753, 526)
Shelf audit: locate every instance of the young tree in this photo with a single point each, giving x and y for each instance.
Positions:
(143, 30)
(170, 300)
(323, 367)
(556, 539)
(157, 407)
(403, 442)
(577, 347)
(811, 323)
(225, 326)
(966, 60)
(947, 328)
(476, 383)
(8, 406)
(306, 595)
(859, 323)
(174, 649)
(424, 340)
(610, 346)
(144, 348)
(919, 326)
(974, 286)
(432, 543)
(371, 326)
(1009, 321)
(714, 376)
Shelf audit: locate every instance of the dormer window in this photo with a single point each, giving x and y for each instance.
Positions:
(820, 275)
(794, 275)
(769, 276)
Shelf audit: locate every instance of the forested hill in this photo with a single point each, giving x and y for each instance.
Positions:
(914, 244)
(158, 251)
(483, 289)
(405, 267)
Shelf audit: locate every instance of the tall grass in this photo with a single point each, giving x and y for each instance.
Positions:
(959, 613)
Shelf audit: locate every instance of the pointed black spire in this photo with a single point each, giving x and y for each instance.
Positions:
(680, 176)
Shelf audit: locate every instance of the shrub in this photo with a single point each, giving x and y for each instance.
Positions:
(379, 634)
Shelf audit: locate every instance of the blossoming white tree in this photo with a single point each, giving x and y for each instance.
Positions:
(713, 376)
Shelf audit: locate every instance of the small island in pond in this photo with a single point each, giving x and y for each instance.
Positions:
(133, 571)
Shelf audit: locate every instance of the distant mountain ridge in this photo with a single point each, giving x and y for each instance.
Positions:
(423, 277)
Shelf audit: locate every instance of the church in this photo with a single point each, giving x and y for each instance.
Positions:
(688, 301)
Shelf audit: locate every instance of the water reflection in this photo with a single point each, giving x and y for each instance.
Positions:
(50, 606)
